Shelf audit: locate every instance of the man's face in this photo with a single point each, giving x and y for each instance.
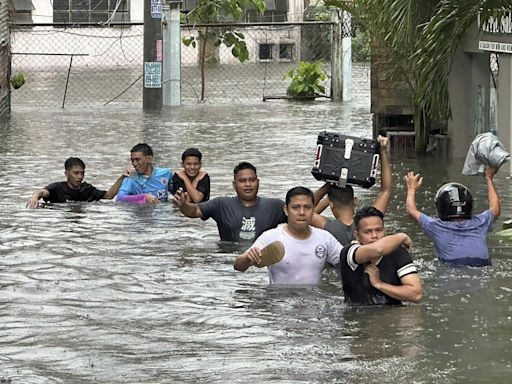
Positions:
(370, 230)
(191, 165)
(142, 163)
(300, 211)
(246, 185)
(75, 176)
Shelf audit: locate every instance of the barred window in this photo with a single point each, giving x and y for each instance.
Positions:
(265, 51)
(286, 51)
(91, 11)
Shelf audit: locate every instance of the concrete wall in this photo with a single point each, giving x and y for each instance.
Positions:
(5, 88)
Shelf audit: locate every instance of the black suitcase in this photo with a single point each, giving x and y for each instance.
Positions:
(342, 159)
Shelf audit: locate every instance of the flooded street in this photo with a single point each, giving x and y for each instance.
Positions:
(116, 293)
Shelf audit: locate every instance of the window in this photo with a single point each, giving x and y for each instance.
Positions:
(286, 51)
(20, 11)
(266, 51)
(90, 11)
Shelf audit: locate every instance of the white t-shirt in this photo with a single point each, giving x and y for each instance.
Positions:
(304, 260)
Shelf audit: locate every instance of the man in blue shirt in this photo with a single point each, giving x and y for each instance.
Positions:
(149, 184)
(459, 236)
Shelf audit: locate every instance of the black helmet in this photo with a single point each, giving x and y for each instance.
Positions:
(453, 200)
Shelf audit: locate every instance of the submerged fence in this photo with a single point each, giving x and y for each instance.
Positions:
(97, 65)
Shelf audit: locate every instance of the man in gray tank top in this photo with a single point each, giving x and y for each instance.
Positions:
(343, 202)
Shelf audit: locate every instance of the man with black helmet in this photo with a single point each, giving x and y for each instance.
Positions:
(459, 237)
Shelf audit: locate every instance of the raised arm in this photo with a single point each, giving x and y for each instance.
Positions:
(112, 191)
(319, 194)
(384, 196)
(33, 202)
(188, 209)
(413, 181)
(373, 251)
(492, 194)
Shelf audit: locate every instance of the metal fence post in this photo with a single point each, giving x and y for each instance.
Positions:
(67, 81)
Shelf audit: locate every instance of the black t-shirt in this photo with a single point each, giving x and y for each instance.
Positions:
(60, 192)
(356, 283)
(203, 185)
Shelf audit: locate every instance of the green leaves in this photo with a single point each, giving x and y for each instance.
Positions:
(306, 79)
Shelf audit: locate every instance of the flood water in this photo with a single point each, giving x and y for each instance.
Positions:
(115, 293)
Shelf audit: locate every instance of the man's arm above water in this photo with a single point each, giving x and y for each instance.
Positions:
(413, 181)
(492, 193)
(410, 290)
(384, 196)
(33, 202)
(189, 209)
(112, 191)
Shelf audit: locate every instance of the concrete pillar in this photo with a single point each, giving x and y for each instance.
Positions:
(460, 125)
(505, 105)
(480, 94)
(347, 58)
(171, 66)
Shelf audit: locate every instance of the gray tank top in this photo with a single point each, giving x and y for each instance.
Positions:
(343, 233)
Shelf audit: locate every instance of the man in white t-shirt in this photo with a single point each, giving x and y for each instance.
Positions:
(307, 249)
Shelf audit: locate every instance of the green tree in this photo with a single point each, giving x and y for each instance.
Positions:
(420, 38)
(217, 11)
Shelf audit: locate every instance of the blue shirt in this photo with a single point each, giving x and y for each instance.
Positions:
(157, 184)
(460, 242)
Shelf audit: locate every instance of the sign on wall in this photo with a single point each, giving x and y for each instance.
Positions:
(156, 9)
(152, 74)
(495, 46)
(501, 24)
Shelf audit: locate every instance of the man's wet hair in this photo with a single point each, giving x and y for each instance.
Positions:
(302, 191)
(341, 196)
(142, 147)
(73, 162)
(243, 165)
(365, 212)
(191, 152)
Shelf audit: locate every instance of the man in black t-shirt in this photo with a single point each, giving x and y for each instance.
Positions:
(73, 189)
(377, 269)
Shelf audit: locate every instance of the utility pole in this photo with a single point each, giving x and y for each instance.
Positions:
(171, 72)
(152, 87)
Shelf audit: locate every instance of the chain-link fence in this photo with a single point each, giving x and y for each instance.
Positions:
(103, 65)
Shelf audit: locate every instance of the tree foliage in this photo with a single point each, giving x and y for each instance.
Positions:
(220, 11)
(421, 37)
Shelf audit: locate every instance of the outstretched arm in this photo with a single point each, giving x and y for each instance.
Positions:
(33, 202)
(413, 181)
(189, 209)
(410, 290)
(112, 191)
(382, 247)
(384, 196)
(494, 199)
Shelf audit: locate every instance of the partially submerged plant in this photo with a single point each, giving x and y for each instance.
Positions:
(17, 80)
(307, 79)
